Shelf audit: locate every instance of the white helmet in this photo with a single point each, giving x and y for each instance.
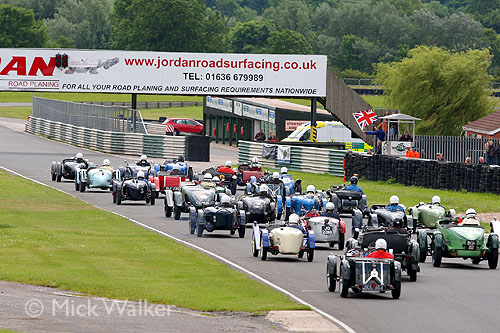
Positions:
(228, 164)
(310, 188)
(255, 159)
(207, 177)
(381, 244)
(79, 156)
(106, 162)
(471, 212)
(330, 206)
(216, 179)
(276, 175)
(284, 170)
(140, 174)
(436, 200)
(144, 157)
(264, 188)
(225, 199)
(394, 200)
(294, 218)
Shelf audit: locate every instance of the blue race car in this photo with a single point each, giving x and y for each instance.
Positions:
(94, 177)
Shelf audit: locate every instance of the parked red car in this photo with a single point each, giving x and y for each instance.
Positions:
(174, 126)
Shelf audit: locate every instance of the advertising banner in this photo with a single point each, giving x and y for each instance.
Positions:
(163, 73)
(291, 125)
(220, 103)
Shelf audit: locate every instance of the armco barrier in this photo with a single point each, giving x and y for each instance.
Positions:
(426, 173)
(110, 142)
(307, 159)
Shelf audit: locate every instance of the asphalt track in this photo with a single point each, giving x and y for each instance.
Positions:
(458, 297)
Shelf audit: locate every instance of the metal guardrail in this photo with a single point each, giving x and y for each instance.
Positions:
(306, 159)
(109, 142)
(149, 105)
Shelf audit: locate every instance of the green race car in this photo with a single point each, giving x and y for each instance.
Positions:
(426, 215)
(458, 238)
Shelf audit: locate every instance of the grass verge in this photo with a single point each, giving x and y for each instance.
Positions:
(380, 192)
(52, 239)
(26, 97)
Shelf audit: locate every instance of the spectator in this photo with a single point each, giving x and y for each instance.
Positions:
(440, 157)
(406, 137)
(423, 154)
(260, 136)
(489, 149)
(349, 151)
(411, 153)
(482, 161)
(380, 134)
(393, 130)
(383, 125)
(468, 160)
(272, 137)
(369, 151)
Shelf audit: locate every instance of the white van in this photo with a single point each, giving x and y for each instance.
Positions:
(328, 131)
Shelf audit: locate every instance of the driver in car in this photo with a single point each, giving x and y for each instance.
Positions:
(394, 205)
(141, 176)
(225, 201)
(470, 218)
(276, 179)
(176, 172)
(207, 181)
(397, 226)
(330, 211)
(255, 165)
(380, 250)
(436, 200)
(79, 159)
(226, 168)
(144, 161)
(354, 185)
(106, 165)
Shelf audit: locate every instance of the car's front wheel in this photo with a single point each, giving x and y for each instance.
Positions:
(175, 132)
(241, 231)
(310, 255)
(344, 284)
(177, 213)
(255, 252)
(396, 291)
(437, 255)
(493, 259)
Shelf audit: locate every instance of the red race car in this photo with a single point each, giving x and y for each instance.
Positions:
(174, 126)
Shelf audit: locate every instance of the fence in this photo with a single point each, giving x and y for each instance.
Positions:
(426, 173)
(454, 148)
(307, 159)
(161, 146)
(104, 118)
(149, 105)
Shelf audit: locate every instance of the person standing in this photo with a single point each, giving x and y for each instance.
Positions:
(380, 135)
(260, 136)
(406, 137)
(272, 137)
(489, 149)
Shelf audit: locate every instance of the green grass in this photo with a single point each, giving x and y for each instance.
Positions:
(193, 112)
(380, 192)
(52, 239)
(26, 97)
(376, 101)
(19, 112)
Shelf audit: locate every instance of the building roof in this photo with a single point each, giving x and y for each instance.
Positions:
(399, 116)
(488, 125)
(277, 103)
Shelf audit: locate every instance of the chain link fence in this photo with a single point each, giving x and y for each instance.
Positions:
(104, 118)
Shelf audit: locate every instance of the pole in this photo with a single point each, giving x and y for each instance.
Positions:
(134, 115)
(314, 133)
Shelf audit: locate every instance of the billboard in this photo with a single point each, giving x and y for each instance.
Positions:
(164, 73)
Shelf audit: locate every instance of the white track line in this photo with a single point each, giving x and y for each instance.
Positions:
(227, 261)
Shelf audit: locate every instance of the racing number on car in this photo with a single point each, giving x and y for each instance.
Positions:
(326, 230)
(471, 245)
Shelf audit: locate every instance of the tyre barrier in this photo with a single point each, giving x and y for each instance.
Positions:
(426, 173)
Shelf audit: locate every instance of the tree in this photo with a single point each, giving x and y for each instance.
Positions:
(18, 28)
(249, 37)
(288, 42)
(165, 25)
(43, 9)
(446, 90)
(290, 14)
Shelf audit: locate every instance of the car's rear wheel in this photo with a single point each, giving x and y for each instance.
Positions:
(58, 178)
(53, 174)
(77, 186)
(153, 199)
(241, 231)
(168, 211)
(263, 251)
(255, 252)
(396, 291)
(177, 212)
(331, 276)
(301, 254)
(412, 273)
(344, 284)
(118, 197)
(232, 232)
(114, 196)
(310, 255)
(199, 230)
(341, 241)
(493, 258)
(437, 255)
(82, 187)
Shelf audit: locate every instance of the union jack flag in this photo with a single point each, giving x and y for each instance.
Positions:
(365, 118)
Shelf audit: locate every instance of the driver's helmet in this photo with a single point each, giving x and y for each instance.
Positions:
(180, 158)
(264, 188)
(276, 175)
(381, 244)
(436, 200)
(394, 200)
(175, 167)
(225, 199)
(398, 222)
(470, 213)
(330, 206)
(255, 159)
(207, 177)
(216, 179)
(253, 179)
(228, 164)
(294, 219)
(144, 157)
(140, 174)
(106, 162)
(311, 188)
(354, 180)
(284, 170)
(79, 156)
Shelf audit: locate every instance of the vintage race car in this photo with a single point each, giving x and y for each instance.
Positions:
(259, 208)
(282, 239)
(187, 195)
(327, 230)
(166, 169)
(378, 215)
(426, 215)
(126, 186)
(219, 189)
(302, 203)
(66, 169)
(356, 271)
(495, 226)
(218, 217)
(226, 179)
(346, 201)
(405, 250)
(247, 170)
(93, 177)
(451, 240)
